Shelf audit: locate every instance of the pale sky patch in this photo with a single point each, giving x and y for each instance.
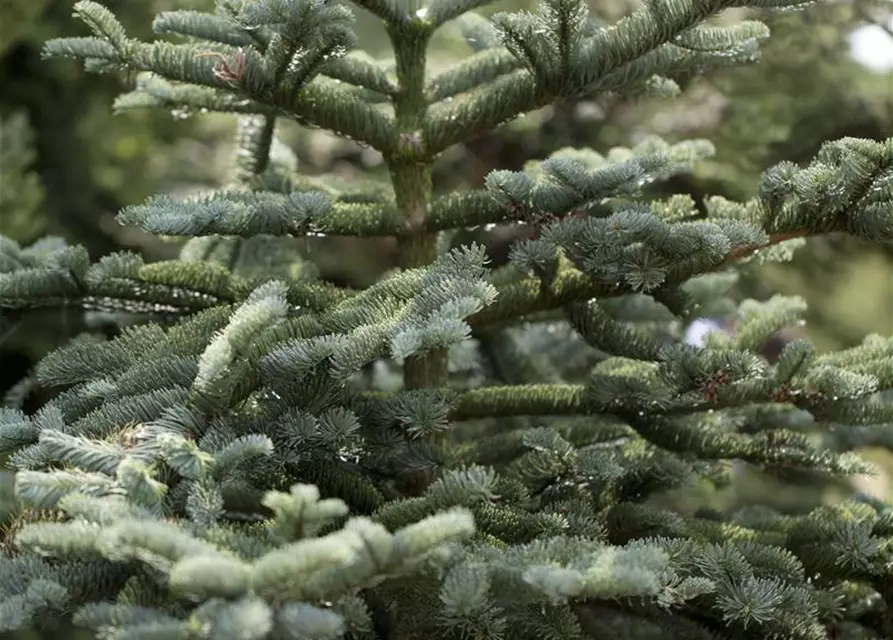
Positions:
(873, 47)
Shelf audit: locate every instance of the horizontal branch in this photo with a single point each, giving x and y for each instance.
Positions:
(520, 400)
(161, 290)
(184, 99)
(326, 104)
(249, 214)
(466, 209)
(531, 295)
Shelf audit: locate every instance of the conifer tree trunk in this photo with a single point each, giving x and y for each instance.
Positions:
(411, 171)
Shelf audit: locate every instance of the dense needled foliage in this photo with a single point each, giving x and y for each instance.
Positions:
(455, 451)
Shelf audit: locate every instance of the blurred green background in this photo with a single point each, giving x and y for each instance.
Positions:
(68, 164)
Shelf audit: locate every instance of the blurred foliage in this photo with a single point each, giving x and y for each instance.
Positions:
(91, 162)
(19, 20)
(21, 195)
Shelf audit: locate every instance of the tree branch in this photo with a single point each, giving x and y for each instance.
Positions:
(520, 400)
(531, 295)
(519, 92)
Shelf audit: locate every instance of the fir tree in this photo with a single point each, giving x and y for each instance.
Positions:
(455, 451)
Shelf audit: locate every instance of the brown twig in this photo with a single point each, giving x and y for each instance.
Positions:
(228, 69)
